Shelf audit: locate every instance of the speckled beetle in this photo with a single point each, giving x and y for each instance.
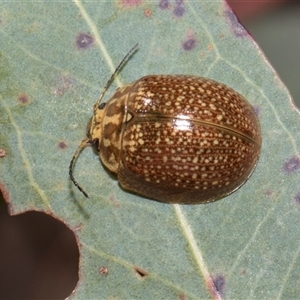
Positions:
(175, 138)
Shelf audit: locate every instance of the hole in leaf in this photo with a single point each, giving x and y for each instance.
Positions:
(23, 99)
(38, 256)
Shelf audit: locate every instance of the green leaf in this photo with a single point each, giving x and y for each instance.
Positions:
(55, 58)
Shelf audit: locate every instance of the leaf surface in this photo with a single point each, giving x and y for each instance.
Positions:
(55, 58)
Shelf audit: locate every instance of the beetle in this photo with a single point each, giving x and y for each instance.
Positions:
(175, 138)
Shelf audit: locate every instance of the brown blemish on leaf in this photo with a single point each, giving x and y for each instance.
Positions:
(2, 152)
(115, 203)
(140, 272)
(23, 99)
(210, 47)
(103, 271)
(84, 41)
(181, 297)
(147, 12)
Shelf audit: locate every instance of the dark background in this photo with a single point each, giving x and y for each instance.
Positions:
(39, 255)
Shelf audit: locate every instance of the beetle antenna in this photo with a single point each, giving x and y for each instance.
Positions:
(118, 68)
(82, 145)
(87, 141)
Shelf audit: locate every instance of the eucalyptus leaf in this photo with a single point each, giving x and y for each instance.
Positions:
(55, 59)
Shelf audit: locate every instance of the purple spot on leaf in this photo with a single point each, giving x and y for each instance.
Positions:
(256, 109)
(163, 4)
(219, 282)
(236, 26)
(179, 9)
(62, 145)
(189, 44)
(292, 165)
(84, 41)
(297, 198)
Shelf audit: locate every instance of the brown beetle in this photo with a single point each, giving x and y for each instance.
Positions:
(175, 138)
